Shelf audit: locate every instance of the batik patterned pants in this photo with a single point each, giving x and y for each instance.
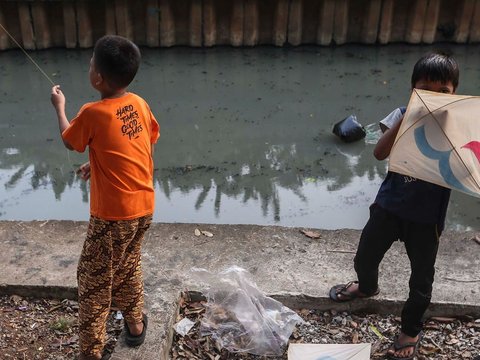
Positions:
(109, 271)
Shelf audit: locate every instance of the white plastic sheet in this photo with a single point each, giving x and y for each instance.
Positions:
(329, 352)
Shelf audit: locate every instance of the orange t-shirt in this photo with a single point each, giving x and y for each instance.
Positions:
(119, 133)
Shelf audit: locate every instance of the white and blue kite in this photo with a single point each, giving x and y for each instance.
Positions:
(439, 141)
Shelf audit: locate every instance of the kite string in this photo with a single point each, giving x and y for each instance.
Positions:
(28, 56)
(44, 74)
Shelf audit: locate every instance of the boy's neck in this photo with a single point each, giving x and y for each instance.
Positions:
(113, 94)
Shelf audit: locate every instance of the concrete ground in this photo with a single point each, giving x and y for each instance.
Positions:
(40, 258)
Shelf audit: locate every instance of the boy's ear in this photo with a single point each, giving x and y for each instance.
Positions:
(98, 79)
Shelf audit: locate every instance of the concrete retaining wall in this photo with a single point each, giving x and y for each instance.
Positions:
(163, 23)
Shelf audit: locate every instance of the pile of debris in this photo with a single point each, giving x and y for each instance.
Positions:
(444, 338)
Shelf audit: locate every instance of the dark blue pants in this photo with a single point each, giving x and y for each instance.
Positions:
(421, 243)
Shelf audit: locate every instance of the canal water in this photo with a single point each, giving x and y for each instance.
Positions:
(246, 133)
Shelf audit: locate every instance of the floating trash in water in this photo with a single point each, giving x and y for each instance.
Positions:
(373, 133)
(349, 129)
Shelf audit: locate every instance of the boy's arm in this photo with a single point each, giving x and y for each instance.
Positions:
(58, 102)
(384, 145)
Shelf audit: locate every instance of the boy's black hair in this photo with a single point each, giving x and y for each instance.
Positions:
(436, 66)
(117, 59)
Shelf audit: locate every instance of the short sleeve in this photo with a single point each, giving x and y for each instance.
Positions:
(80, 132)
(155, 129)
(391, 119)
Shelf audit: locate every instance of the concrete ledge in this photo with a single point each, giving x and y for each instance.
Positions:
(39, 291)
(40, 259)
(377, 305)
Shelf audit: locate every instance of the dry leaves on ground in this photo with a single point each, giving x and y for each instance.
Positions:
(476, 238)
(311, 234)
(444, 338)
(44, 329)
(199, 232)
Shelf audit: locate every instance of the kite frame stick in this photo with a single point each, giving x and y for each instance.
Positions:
(443, 131)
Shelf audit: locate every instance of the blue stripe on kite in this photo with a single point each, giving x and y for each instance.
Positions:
(443, 158)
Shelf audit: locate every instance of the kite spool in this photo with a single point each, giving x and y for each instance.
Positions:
(349, 129)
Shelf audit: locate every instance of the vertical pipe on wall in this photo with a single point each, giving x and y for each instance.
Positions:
(70, 25)
(280, 23)
(152, 22)
(209, 23)
(416, 22)
(85, 37)
(340, 27)
(110, 18)
(475, 25)
(43, 37)
(167, 24)
(325, 22)
(372, 19)
(28, 39)
(4, 39)
(386, 19)
(464, 19)
(122, 16)
(295, 22)
(195, 23)
(251, 23)
(430, 26)
(236, 24)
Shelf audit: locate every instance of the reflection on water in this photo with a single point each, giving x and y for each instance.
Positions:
(246, 133)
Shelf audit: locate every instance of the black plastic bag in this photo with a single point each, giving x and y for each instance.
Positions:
(349, 129)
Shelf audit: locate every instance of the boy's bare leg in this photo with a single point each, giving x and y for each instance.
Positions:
(135, 328)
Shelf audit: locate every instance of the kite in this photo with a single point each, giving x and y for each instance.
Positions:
(439, 141)
(329, 351)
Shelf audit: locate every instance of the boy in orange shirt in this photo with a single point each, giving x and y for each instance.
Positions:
(120, 131)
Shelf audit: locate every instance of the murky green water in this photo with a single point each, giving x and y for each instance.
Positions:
(246, 133)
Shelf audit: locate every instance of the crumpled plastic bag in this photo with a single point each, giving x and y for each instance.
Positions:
(349, 129)
(240, 318)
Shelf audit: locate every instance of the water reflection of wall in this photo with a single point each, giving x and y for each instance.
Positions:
(236, 124)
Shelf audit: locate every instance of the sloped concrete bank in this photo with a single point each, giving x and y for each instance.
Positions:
(40, 258)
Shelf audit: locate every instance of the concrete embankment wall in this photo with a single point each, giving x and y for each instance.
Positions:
(163, 23)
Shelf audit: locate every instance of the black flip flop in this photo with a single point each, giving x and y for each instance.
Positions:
(132, 340)
(342, 290)
(106, 355)
(415, 345)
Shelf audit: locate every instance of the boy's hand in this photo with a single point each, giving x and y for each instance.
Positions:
(57, 98)
(84, 171)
